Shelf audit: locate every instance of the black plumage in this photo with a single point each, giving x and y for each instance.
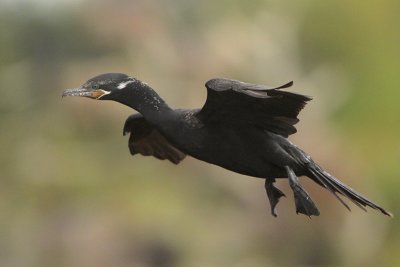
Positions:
(242, 127)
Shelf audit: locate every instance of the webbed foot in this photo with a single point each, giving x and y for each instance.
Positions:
(302, 199)
(273, 194)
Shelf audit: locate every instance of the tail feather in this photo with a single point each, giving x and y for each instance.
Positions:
(331, 187)
(331, 183)
(334, 185)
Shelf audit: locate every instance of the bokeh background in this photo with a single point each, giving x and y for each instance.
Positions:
(71, 194)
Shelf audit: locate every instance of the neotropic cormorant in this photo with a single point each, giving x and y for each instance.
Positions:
(242, 127)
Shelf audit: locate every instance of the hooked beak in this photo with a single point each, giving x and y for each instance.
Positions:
(94, 94)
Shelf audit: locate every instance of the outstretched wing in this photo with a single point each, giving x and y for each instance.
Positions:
(232, 102)
(146, 140)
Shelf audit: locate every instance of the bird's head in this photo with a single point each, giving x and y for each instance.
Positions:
(109, 86)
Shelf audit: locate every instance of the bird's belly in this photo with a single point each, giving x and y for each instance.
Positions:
(242, 156)
(248, 151)
(255, 170)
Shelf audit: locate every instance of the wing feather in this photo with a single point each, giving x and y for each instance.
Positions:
(234, 102)
(147, 141)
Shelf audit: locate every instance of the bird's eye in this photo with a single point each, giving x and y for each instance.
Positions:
(95, 86)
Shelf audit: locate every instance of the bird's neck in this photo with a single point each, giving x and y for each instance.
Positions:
(146, 101)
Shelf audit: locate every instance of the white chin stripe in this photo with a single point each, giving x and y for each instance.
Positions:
(123, 84)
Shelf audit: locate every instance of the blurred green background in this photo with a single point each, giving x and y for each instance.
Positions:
(71, 194)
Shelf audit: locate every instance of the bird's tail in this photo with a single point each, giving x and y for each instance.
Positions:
(331, 183)
(335, 186)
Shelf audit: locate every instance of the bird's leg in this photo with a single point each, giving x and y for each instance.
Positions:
(273, 194)
(302, 200)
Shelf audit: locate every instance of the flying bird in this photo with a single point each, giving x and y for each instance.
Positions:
(242, 127)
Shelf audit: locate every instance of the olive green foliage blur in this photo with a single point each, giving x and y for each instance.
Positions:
(72, 195)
